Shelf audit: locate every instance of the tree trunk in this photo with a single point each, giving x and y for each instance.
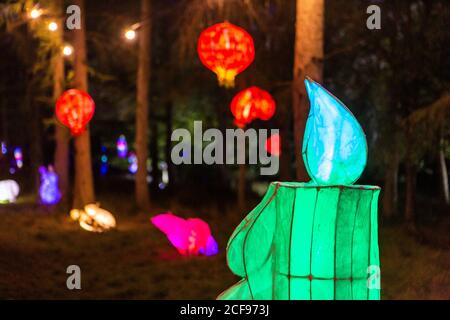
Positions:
(411, 172)
(143, 79)
(285, 173)
(154, 152)
(168, 146)
(444, 174)
(84, 184)
(35, 138)
(34, 122)
(61, 156)
(308, 62)
(390, 190)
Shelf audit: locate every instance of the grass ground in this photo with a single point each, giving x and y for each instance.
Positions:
(135, 261)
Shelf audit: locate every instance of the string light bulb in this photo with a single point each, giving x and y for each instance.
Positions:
(130, 34)
(68, 50)
(53, 26)
(35, 13)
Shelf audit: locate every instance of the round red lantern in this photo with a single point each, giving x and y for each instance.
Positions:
(227, 50)
(250, 104)
(74, 109)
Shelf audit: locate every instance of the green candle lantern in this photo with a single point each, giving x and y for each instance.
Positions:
(316, 240)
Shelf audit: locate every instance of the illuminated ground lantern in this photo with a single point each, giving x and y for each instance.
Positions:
(227, 50)
(9, 190)
(316, 240)
(75, 109)
(93, 218)
(250, 104)
(188, 236)
(48, 190)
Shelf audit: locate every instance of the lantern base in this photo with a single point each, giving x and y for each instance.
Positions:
(226, 77)
(307, 242)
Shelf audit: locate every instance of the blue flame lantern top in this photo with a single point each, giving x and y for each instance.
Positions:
(334, 145)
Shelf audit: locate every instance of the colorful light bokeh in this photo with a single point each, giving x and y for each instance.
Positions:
(132, 163)
(48, 190)
(122, 147)
(104, 161)
(18, 157)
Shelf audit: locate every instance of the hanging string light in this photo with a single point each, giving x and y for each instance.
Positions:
(130, 34)
(67, 50)
(52, 26)
(35, 13)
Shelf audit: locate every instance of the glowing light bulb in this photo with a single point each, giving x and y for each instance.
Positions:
(68, 50)
(35, 13)
(130, 34)
(53, 26)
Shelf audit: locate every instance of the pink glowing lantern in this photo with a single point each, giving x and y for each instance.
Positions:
(188, 236)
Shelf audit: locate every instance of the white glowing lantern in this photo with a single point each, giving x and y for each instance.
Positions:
(9, 190)
(93, 218)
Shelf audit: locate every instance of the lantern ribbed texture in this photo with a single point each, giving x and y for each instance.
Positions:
(307, 242)
(74, 109)
(250, 104)
(227, 50)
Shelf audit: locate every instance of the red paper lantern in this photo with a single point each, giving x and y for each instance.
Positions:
(273, 145)
(250, 104)
(227, 50)
(74, 109)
